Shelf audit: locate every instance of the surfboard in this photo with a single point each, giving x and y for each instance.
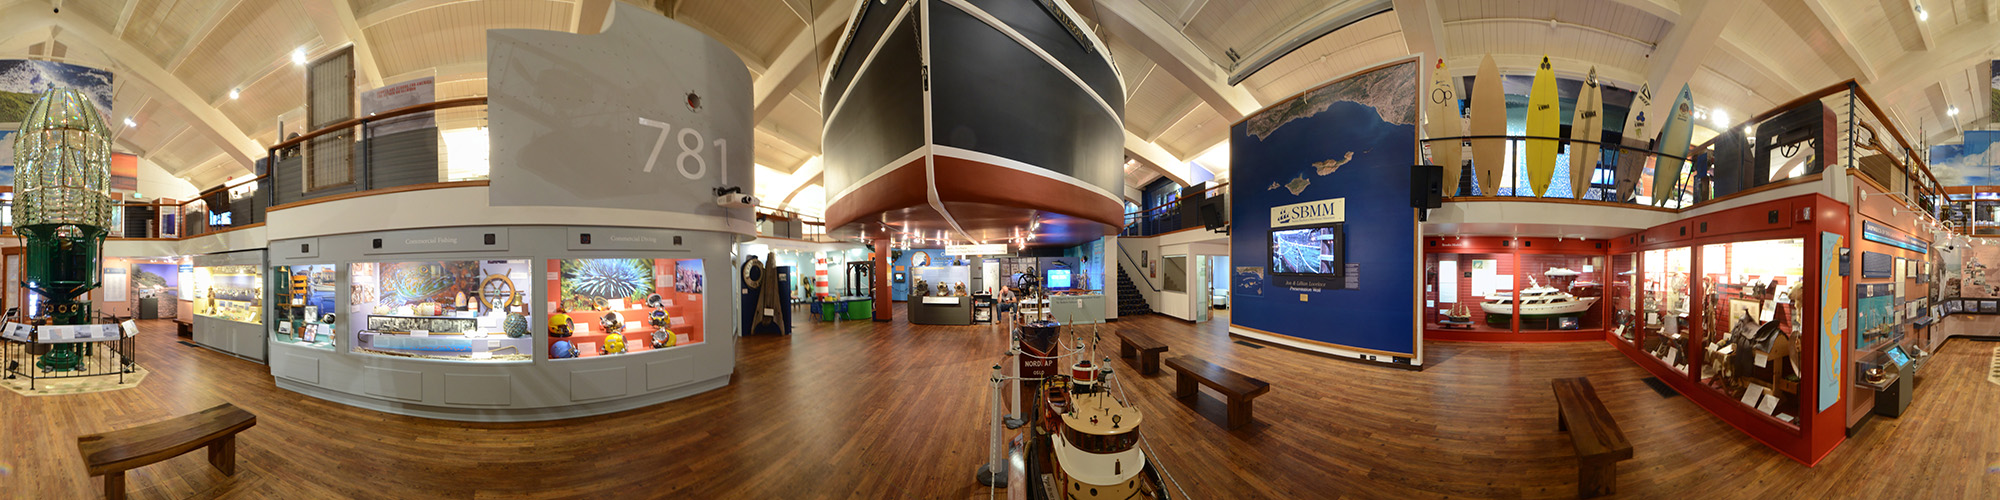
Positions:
(1632, 162)
(1586, 125)
(1443, 121)
(1673, 142)
(1544, 120)
(1489, 117)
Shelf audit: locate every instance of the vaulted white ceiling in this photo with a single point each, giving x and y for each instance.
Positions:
(178, 60)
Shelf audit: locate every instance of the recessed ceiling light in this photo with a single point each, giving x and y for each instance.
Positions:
(299, 56)
(234, 93)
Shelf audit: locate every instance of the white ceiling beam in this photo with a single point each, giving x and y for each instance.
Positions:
(1922, 26)
(808, 147)
(403, 8)
(1523, 64)
(1764, 67)
(1940, 106)
(810, 173)
(1164, 44)
(798, 60)
(1423, 29)
(1834, 29)
(334, 20)
(124, 18)
(1674, 60)
(750, 57)
(1654, 7)
(207, 27)
(1151, 155)
(140, 69)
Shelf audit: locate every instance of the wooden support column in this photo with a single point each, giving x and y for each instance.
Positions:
(884, 307)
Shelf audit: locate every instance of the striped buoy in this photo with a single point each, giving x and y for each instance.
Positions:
(820, 285)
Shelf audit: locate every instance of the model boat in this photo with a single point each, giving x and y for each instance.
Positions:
(1084, 438)
(1537, 300)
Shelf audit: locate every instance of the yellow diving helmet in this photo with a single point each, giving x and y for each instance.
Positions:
(614, 344)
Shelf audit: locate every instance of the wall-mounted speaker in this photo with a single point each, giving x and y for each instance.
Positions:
(1426, 187)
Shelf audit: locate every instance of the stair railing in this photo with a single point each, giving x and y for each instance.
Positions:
(1127, 257)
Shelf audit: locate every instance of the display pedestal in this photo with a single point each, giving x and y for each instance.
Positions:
(941, 311)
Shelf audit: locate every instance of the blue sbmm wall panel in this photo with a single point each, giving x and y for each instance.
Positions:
(1291, 153)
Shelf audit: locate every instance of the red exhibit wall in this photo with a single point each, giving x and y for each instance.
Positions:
(1523, 258)
(1807, 217)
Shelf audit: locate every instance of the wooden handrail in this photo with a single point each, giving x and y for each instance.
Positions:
(394, 113)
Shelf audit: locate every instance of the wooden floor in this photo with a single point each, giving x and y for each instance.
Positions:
(878, 410)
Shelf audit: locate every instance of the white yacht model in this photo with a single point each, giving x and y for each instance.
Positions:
(1537, 300)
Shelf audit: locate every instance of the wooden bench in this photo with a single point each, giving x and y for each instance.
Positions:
(1599, 443)
(1236, 388)
(112, 453)
(1143, 349)
(183, 327)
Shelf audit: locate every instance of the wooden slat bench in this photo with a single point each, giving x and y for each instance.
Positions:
(1599, 443)
(1141, 349)
(112, 453)
(183, 327)
(1236, 388)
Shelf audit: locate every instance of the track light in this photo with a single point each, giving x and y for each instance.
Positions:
(1922, 15)
(1951, 111)
(235, 93)
(129, 123)
(299, 56)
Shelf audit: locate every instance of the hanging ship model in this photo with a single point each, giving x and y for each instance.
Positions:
(1082, 439)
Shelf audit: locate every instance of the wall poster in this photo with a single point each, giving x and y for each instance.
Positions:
(1831, 326)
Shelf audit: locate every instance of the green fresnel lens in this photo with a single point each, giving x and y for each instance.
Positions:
(62, 189)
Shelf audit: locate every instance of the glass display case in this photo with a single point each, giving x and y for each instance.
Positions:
(1750, 344)
(607, 307)
(1624, 297)
(1469, 291)
(454, 310)
(302, 305)
(1664, 305)
(1561, 292)
(234, 293)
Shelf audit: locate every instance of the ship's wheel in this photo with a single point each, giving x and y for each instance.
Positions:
(498, 292)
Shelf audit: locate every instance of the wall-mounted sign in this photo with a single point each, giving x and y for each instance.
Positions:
(1879, 233)
(990, 249)
(1308, 213)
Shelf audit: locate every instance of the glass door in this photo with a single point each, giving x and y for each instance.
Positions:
(1203, 302)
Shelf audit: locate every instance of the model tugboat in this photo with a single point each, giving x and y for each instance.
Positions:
(1083, 441)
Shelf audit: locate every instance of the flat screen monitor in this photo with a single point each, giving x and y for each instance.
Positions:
(1058, 279)
(1896, 354)
(1308, 251)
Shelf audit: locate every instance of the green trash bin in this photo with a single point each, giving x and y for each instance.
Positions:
(829, 311)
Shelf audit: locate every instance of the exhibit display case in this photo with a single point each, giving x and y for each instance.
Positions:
(1457, 287)
(607, 307)
(227, 299)
(1750, 340)
(229, 292)
(1504, 289)
(1741, 311)
(1664, 304)
(1560, 292)
(1624, 297)
(451, 310)
(302, 305)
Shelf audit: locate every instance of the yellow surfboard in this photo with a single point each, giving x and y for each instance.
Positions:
(1586, 125)
(1489, 117)
(1544, 127)
(1442, 120)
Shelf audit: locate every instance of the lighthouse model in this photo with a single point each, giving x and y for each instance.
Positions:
(62, 189)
